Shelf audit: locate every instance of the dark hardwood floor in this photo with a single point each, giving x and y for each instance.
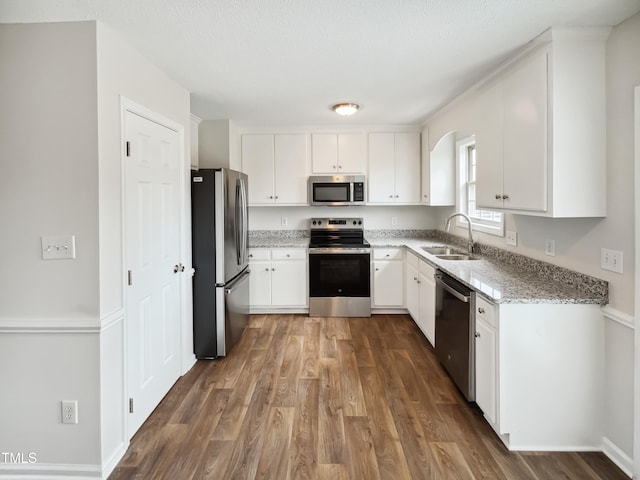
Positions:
(331, 398)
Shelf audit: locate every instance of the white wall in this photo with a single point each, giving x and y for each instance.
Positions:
(48, 180)
(578, 241)
(49, 310)
(375, 218)
(62, 322)
(124, 73)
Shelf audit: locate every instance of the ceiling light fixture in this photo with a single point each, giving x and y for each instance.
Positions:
(345, 109)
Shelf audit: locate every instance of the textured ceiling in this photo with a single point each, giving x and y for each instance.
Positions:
(284, 62)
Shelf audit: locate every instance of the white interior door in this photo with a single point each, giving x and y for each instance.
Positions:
(152, 253)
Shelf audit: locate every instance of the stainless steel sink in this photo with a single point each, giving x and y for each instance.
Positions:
(456, 256)
(439, 250)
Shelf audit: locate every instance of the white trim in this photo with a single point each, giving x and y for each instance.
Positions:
(619, 317)
(50, 325)
(636, 376)
(46, 471)
(112, 319)
(617, 456)
(128, 105)
(109, 466)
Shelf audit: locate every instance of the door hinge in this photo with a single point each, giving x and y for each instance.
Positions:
(128, 148)
(129, 277)
(131, 405)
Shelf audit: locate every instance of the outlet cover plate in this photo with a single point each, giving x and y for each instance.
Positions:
(512, 238)
(550, 247)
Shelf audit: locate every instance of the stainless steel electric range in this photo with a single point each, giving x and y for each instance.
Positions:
(339, 268)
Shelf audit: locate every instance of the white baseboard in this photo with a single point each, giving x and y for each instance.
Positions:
(112, 463)
(37, 471)
(617, 456)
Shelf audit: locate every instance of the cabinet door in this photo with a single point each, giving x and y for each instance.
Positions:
(412, 294)
(289, 283)
(427, 303)
(324, 153)
(387, 283)
(381, 168)
(352, 152)
(486, 369)
(260, 283)
(488, 130)
(258, 162)
(525, 135)
(407, 167)
(291, 169)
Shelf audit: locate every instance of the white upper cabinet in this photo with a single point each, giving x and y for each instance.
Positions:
(277, 166)
(439, 171)
(394, 167)
(338, 153)
(541, 131)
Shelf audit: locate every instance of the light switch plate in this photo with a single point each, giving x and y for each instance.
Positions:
(512, 238)
(58, 247)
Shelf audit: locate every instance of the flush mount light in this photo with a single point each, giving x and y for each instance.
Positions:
(345, 109)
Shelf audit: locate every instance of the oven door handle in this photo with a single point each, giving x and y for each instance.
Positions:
(450, 289)
(313, 251)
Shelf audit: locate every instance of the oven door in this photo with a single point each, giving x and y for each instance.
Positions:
(339, 282)
(339, 272)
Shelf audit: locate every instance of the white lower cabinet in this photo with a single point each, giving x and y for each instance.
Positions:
(278, 278)
(486, 366)
(539, 377)
(421, 295)
(387, 277)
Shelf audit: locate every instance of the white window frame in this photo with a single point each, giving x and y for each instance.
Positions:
(477, 224)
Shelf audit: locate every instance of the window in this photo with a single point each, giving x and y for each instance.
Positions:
(486, 221)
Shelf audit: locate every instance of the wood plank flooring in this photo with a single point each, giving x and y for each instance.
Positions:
(336, 399)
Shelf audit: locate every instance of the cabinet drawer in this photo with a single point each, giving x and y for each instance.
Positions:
(288, 254)
(413, 260)
(426, 269)
(486, 311)
(387, 253)
(259, 254)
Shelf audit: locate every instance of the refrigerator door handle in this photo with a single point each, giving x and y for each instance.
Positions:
(244, 225)
(229, 289)
(239, 220)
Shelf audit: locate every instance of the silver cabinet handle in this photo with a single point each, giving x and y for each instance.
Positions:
(477, 334)
(498, 196)
(505, 197)
(480, 310)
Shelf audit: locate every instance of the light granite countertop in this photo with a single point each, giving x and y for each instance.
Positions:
(498, 275)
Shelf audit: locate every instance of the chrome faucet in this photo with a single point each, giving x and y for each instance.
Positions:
(447, 225)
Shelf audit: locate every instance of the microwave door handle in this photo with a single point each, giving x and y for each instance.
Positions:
(351, 191)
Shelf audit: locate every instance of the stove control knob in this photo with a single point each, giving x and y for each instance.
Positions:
(314, 222)
(319, 222)
(354, 222)
(359, 222)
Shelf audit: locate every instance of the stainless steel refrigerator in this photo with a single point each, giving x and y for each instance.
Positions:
(219, 226)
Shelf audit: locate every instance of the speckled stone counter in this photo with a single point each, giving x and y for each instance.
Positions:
(500, 276)
(278, 238)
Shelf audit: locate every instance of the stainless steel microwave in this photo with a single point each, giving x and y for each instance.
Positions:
(337, 190)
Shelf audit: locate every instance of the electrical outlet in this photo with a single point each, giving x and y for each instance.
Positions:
(284, 221)
(394, 221)
(550, 247)
(512, 238)
(611, 260)
(70, 411)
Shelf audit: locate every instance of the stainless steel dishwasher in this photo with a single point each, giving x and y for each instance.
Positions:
(455, 329)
